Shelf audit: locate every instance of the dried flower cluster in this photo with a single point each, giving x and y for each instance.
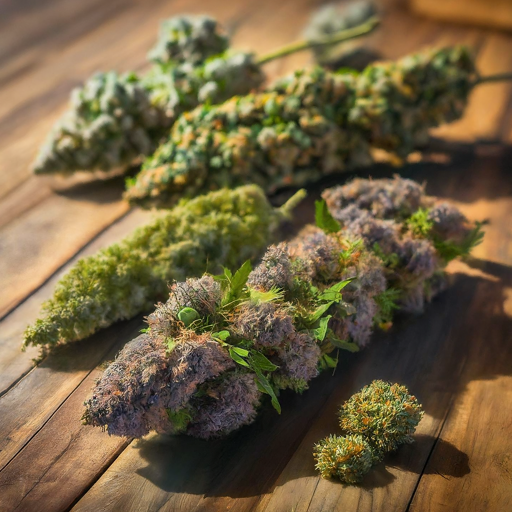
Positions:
(307, 125)
(347, 458)
(113, 121)
(127, 278)
(384, 414)
(325, 290)
(377, 420)
(332, 18)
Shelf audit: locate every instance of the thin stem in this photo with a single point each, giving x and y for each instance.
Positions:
(292, 203)
(500, 77)
(339, 37)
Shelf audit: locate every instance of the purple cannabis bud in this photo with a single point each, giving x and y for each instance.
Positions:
(274, 271)
(418, 256)
(127, 399)
(449, 222)
(201, 294)
(134, 393)
(384, 198)
(321, 253)
(298, 358)
(265, 324)
(195, 358)
(227, 406)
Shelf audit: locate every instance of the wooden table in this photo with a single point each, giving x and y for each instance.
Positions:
(457, 357)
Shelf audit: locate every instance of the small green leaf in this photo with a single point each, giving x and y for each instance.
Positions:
(236, 284)
(240, 278)
(188, 315)
(237, 358)
(323, 218)
(221, 335)
(333, 293)
(319, 312)
(321, 330)
(345, 345)
(240, 351)
(265, 387)
(259, 361)
(329, 361)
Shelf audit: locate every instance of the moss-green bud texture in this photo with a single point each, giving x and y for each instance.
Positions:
(222, 228)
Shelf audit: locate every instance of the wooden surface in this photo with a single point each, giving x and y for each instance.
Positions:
(490, 13)
(457, 357)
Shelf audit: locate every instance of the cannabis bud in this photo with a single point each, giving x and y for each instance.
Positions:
(127, 278)
(384, 414)
(110, 122)
(378, 419)
(191, 39)
(113, 121)
(332, 18)
(325, 290)
(307, 125)
(346, 458)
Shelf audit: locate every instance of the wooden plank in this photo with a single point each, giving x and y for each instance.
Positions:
(49, 473)
(494, 13)
(471, 467)
(487, 110)
(14, 364)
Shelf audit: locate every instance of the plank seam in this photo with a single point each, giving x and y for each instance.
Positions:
(441, 427)
(103, 356)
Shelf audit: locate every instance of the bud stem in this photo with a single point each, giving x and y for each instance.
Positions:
(500, 77)
(339, 37)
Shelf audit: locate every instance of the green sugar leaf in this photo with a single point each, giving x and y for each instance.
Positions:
(323, 218)
(265, 387)
(259, 361)
(321, 330)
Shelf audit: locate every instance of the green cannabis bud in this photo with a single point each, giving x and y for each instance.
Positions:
(377, 420)
(325, 290)
(127, 278)
(332, 18)
(110, 122)
(113, 121)
(346, 458)
(191, 39)
(384, 414)
(307, 125)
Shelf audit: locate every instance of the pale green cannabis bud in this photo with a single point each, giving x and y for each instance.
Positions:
(332, 18)
(307, 125)
(281, 323)
(178, 88)
(127, 278)
(191, 39)
(346, 458)
(110, 122)
(113, 121)
(385, 414)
